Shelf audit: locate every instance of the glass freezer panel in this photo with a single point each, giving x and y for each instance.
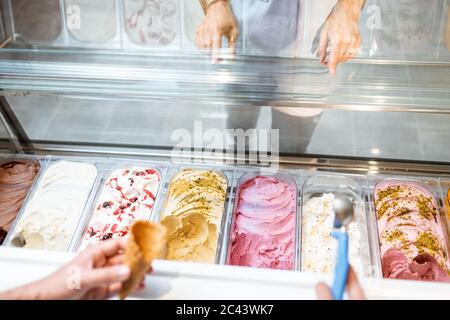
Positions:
(401, 65)
(161, 124)
(37, 22)
(412, 30)
(5, 139)
(92, 23)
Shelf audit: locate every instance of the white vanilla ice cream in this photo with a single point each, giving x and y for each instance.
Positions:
(51, 216)
(318, 246)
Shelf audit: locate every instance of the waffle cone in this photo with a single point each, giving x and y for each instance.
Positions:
(144, 245)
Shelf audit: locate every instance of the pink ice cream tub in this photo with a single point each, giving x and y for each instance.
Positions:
(264, 232)
(411, 234)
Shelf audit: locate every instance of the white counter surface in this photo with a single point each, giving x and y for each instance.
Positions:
(174, 280)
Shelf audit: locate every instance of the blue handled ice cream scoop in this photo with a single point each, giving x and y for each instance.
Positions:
(344, 212)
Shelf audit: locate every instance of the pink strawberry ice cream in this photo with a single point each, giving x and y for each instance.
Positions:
(127, 195)
(411, 235)
(263, 231)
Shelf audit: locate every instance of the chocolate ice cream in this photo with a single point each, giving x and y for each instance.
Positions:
(16, 178)
(37, 21)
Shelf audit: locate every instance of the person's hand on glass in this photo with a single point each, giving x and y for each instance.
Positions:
(354, 289)
(95, 273)
(219, 22)
(340, 34)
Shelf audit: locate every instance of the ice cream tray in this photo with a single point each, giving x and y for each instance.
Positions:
(307, 184)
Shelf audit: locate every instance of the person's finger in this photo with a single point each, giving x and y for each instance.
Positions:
(232, 40)
(118, 259)
(96, 294)
(350, 48)
(100, 293)
(150, 270)
(323, 45)
(357, 43)
(207, 40)
(110, 248)
(333, 60)
(216, 46)
(104, 276)
(354, 289)
(323, 292)
(354, 48)
(200, 41)
(197, 40)
(201, 37)
(345, 55)
(113, 289)
(351, 51)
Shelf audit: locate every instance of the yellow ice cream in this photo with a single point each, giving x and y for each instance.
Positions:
(193, 213)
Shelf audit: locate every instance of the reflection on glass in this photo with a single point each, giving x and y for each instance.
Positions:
(270, 26)
(447, 38)
(91, 20)
(3, 133)
(37, 21)
(387, 135)
(150, 22)
(315, 15)
(407, 27)
(193, 16)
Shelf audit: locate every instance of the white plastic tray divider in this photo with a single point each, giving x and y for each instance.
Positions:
(11, 17)
(87, 214)
(248, 172)
(228, 174)
(222, 243)
(228, 219)
(306, 31)
(302, 44)
(114, 43)
(159, 205)
(431, 184)
(64, 31)
(161, 194)
(8, 19)
(441, 26)
(364, 224)
(444, 51)
(367, 33)
(444, 184)
(444, 216)
(186, 45)
(298, 233)
(373, 229)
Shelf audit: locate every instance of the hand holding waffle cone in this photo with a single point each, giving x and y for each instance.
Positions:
(145, 244)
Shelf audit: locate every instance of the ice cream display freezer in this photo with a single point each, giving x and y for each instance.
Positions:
(228, 245)
(109, 114)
